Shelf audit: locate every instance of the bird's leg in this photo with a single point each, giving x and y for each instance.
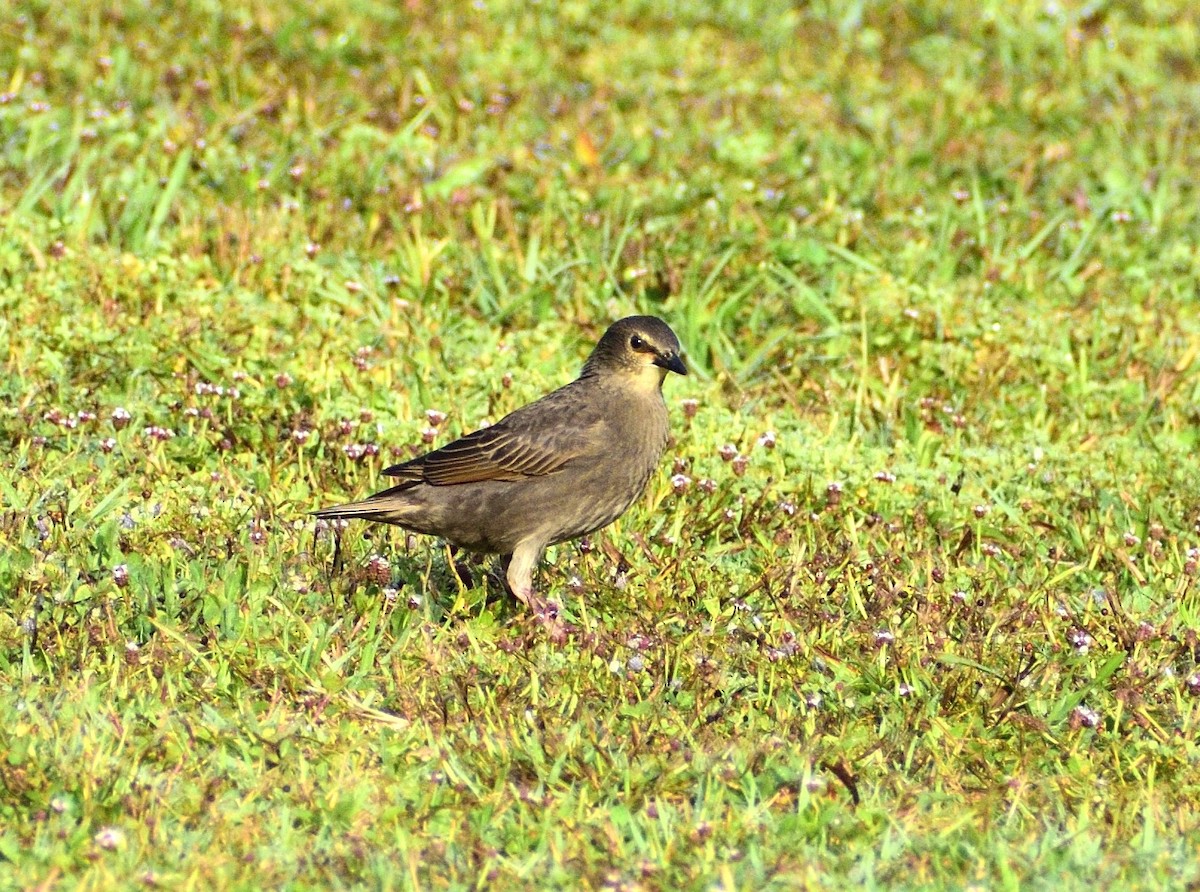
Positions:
(518, 571)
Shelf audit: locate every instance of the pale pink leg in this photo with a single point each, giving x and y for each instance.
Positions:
(518, 570)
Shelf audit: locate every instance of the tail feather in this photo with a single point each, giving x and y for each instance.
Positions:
(387, 506)
(365, 508)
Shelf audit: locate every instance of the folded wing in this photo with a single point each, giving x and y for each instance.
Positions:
(539, 439)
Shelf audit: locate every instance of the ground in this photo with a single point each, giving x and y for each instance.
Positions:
(912, 602)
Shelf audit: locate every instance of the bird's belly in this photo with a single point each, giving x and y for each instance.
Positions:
(597, 516)
(597, 501)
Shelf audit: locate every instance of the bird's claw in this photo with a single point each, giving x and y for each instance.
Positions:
(546, 612)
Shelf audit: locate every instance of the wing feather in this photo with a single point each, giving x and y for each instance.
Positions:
(533, 441)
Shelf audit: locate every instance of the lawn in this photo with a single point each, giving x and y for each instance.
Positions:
(913, 601)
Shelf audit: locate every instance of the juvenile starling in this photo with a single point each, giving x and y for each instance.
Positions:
(556, 469)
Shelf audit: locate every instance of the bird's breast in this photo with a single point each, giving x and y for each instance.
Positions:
(601, 488)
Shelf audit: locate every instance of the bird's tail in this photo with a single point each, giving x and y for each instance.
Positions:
(387, 506)
(365, 508)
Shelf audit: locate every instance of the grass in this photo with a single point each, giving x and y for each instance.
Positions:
(935, 626)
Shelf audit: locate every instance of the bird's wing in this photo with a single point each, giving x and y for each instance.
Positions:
(535, 440)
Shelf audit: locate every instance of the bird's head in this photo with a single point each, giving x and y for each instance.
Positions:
(641, 349)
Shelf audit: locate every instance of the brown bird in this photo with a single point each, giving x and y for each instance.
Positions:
(556, 469)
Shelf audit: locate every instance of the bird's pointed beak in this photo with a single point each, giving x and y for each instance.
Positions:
(672, 363)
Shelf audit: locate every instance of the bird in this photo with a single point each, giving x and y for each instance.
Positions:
(559, 468)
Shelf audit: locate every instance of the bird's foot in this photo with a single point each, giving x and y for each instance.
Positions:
(547, 614)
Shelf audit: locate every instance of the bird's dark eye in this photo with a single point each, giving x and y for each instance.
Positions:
(636, 343)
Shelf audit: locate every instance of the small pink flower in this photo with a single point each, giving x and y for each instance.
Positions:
(1085, 716)
(378, 569)
(1080, 640)
(109, 838)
